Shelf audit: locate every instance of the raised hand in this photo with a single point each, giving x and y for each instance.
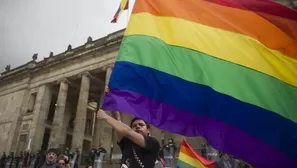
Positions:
(106, 90)
(101, 114)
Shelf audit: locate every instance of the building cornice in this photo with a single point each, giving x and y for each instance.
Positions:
(103, 44)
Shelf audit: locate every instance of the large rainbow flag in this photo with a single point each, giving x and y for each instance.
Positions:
(188, 158)
(222, 69)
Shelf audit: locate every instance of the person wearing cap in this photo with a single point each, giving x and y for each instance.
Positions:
(51, 159)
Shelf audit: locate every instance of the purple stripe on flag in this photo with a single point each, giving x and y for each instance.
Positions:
(222, 136)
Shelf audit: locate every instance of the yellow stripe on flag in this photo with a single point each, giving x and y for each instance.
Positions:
(233, 47)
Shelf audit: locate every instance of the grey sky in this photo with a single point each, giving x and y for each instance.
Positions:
(41, 26)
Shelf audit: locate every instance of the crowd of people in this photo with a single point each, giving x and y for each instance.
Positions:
(53, 159)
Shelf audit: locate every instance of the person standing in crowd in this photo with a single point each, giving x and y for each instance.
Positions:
(51, 159)
(139, 149)
(160, 159)
(63, 161)
(3, 160)
(203, 149)
(159, 163)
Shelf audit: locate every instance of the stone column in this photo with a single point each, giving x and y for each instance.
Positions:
(57, 134)
(67, 116)
(81, 113)
(105, 129)
(102, 132)
(12, 142)
(96, 137)
(40, 112)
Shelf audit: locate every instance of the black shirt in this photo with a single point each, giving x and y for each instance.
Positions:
(54, 165)
(147, 155)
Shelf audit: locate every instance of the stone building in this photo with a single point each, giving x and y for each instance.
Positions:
(52, 103)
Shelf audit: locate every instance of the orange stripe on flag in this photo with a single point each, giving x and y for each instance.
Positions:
(187, 152)
(223, 17)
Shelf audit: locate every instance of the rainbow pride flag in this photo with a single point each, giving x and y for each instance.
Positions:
(222, 69)
(188, 158)
(124, 5)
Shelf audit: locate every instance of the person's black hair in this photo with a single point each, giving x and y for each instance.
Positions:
(136, 118)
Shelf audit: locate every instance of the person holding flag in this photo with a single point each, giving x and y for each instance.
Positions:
(138, 148)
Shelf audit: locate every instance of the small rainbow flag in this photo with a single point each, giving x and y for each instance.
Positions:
(123, 6)
(188, 158)
(222, 69)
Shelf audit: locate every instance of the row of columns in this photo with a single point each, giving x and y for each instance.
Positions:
(58, 131)
(57, 136)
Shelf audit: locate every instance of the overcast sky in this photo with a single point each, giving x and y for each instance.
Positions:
(42, 26)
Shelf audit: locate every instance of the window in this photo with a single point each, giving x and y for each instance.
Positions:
(25, 127)
(31, 102)
(22, 142)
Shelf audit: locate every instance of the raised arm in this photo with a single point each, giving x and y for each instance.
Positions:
(121, 128)
(117, 116)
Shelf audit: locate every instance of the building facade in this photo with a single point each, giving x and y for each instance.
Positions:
(52, 103)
